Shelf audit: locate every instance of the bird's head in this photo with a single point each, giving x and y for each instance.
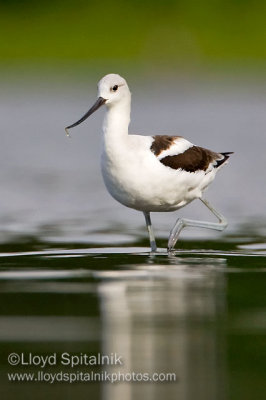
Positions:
(112, 89)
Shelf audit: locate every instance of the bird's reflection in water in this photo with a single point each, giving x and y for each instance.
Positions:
(171, 321)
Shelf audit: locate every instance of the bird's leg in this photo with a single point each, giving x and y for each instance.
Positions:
(150, 231)
(183, 222)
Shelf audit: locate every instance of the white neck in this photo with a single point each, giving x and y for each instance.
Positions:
(116, 120)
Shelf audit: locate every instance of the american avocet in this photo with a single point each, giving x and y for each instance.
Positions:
(151, 173)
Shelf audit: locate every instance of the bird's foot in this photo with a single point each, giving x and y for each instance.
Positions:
(170, 250)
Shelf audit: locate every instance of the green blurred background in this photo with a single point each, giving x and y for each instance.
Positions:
(142, 34)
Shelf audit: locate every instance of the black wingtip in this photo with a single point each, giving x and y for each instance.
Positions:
(226, 156)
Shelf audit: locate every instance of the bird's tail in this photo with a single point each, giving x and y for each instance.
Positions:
(226, 155)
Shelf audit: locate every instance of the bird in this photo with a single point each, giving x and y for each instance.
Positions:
(157, 173)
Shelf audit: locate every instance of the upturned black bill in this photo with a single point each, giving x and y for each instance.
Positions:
(100, 101)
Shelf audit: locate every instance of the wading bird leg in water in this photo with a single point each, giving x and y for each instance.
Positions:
(181, 223)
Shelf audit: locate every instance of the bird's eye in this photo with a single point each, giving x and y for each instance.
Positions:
(114, 88)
